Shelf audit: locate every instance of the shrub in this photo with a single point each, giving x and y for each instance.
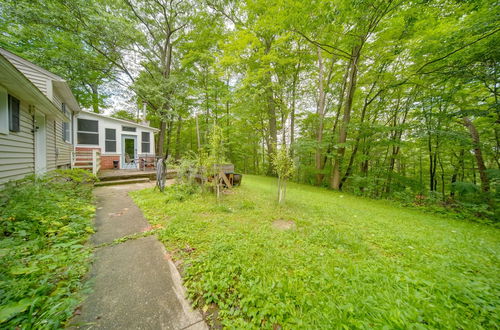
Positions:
(182, 191)
(44, 223)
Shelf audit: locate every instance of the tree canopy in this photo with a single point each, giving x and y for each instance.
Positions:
(382, 98)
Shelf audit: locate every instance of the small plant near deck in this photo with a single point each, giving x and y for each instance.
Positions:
(215, 157)
(283, 165)
(44, 224)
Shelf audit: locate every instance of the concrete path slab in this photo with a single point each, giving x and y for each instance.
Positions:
(135, 284)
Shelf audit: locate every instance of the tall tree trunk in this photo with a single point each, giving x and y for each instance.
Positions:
(320, 111)
(166, 63)
(292, 113)
(351, 88)
(485, 184)
(271, 115)
(170, 125)
(396, 140)
(366, 103)
(161, 139)
(95, 98)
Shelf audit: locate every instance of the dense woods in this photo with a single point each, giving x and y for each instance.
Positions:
(382, 98)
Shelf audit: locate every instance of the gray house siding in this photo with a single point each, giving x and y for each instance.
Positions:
(17, 149)
(64, 148)
(51, 145)
(38, 78)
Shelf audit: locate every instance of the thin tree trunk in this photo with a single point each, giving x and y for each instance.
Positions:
(485, 184)
(292, 114)
(321, 113)
(95, 98)
(170, 124)
(335, 179)
(271, 114)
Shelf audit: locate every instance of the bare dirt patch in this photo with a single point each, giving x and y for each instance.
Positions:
(282, 224)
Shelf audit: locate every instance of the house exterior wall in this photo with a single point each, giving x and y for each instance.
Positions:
(64, 149)
(17, 149)
(108, 157)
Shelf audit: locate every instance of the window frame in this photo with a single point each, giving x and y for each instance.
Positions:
(14, 116)
(130, 129)
(146, 142)
(78, 131)
(106, 140)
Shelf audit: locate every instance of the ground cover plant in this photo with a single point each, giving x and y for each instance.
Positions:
(327, 259)
(44, 224)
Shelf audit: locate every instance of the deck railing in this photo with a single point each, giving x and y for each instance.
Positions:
(86, 159)
(96, 161)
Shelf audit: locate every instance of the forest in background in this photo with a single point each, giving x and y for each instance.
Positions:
(381, 98)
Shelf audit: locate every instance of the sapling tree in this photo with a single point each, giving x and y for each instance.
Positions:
(283, 165)
(215, 156)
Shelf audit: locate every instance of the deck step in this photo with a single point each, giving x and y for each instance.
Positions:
(116, 182)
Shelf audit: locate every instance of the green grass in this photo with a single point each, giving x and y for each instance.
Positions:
(349, 262)
(44, 225)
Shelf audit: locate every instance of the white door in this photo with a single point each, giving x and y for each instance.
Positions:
(40, 144)
(129, 152)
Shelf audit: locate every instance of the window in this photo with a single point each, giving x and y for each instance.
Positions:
(88, 131)
(128, 129)
(145, 143)
(110, 143)
(13, 114)
(66, 132)
(66, 127)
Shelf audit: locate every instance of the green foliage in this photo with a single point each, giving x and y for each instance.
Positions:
(216, 149)
(350, 262)
(283, 164)
(44, 224)
(76, 176)
(125, 115)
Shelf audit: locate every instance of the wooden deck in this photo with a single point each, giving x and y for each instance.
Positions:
(111, 175)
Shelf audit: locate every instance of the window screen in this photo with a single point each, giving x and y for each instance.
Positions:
(88, 138)
(14, 117)
(88, 132)
(128, 129)
(110, 143)
(87, 125)
(145, 142)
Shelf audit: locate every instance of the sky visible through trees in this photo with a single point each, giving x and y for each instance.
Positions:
(381, 98)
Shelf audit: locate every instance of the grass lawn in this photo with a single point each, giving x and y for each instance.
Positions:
(346, 261)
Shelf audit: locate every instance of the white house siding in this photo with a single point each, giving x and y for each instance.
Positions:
(38, 78)
(56, 99)
(117, 125)
(17, 149)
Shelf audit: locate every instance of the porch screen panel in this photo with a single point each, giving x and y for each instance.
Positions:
(88, 132)
(145, 142)
(110, 143)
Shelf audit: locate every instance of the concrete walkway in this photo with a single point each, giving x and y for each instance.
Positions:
(135, 285)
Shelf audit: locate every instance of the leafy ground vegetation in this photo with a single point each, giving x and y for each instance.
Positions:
(44, 224)
(327, 259)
